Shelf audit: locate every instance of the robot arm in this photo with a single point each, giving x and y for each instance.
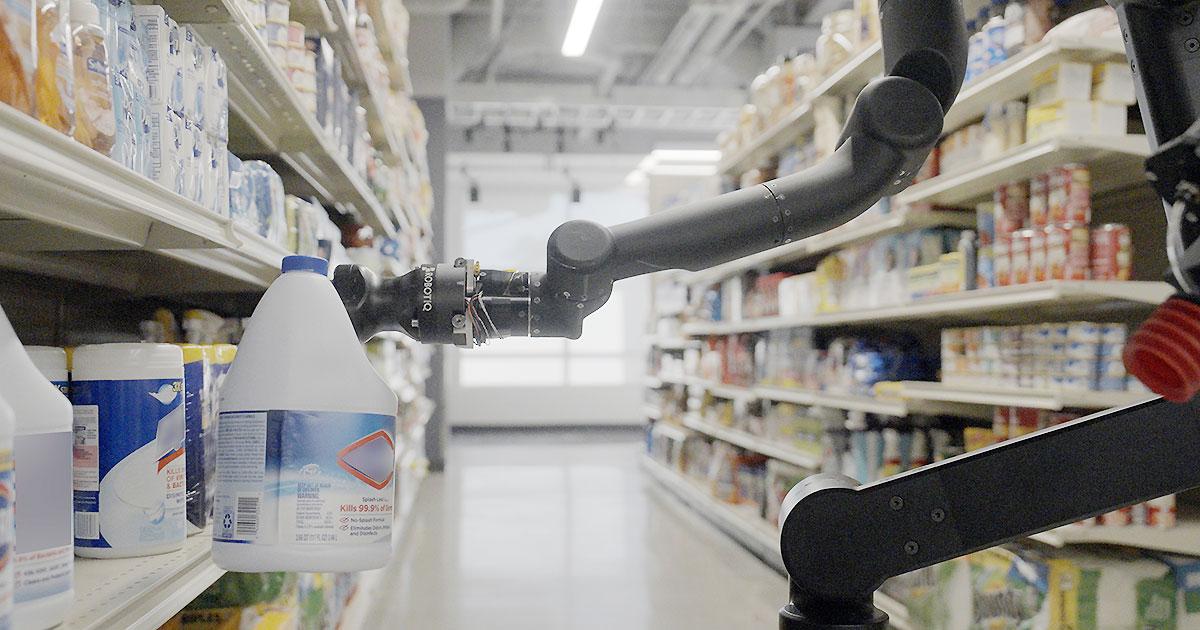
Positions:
(839, 541)
(893, 127)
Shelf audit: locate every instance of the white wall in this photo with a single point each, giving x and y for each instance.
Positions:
(523, 198)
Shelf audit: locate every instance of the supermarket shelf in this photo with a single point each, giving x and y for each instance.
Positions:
(267, 116)
(70, 206)
(314, 14)
(670, 430)
(720, 390)
(141, 592)
(740, 522)
(744, 526)
(1013, 79)
(343, 35)
(651, 412)
(672, 343)
(857, 72)
(1116, 162)
(1183, 539)
(1033, 398)
(866, 404)
(754, 443)
(864, 229)
(1017, 303)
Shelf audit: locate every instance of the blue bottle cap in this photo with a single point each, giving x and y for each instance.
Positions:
(306, 263)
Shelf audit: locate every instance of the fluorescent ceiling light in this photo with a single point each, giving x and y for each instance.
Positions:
(583, 20)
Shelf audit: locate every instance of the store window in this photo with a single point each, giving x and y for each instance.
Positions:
(507, 228)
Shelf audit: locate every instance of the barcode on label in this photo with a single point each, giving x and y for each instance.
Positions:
(87, 525)
(247, 516)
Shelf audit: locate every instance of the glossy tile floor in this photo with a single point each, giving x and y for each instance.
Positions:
(563, 531)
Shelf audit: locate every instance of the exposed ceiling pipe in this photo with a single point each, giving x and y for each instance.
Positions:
(679, 43)
(436, 7)
(704, 55)
(497, 18)
(747, 27)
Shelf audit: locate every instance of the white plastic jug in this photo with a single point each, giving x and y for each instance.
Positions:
(44, 568)
(305, 440)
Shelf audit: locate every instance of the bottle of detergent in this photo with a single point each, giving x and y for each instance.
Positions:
(43, 570)
(305, 438)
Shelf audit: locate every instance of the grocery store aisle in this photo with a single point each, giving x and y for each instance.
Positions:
(564, 532)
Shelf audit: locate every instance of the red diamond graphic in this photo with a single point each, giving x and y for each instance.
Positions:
(371, 459)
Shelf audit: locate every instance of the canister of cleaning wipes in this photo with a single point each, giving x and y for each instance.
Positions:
(196, 368)
(52, 363)
(43, 570)
(305, 438)
(129, 473)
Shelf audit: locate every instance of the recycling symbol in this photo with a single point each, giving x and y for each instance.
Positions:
(227, 521)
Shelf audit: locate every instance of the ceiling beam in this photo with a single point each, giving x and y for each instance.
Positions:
(581, 95)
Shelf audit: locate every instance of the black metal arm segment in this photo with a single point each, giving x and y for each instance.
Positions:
(889, 134)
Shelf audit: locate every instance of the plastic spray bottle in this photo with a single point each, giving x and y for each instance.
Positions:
(305, 439)
(44, 559)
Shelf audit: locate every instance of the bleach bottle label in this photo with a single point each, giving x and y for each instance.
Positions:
(129, 475)
(303, 477)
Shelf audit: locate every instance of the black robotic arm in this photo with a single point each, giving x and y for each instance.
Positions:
(840, 541)
(891, 131)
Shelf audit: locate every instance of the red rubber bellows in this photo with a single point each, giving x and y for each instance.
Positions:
(1165, 352)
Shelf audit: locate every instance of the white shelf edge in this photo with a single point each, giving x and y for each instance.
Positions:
(1183, 539)
(753, 443)
(651, 412)
(966, 302)
(1017, 163)
(1052, 400)
(669, 430)
(141, 592)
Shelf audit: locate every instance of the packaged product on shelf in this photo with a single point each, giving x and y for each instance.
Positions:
(166, 159)
(1039, 202)
(1015, 114)
(1022, 256)
(1112, 82)
(976, 44)
(54, 78)
(252, 601)
(129, 472)
(196, 373)
(279, 12)
(1069, 194)
(1038, 271)
(1064, 81)
(346, 450)
(18, 50)
(1012, 208)
(95, 120)
(216, 94)
(781, 478)
(1067, 252)
(129, 88)
(838, 40)
(1112, 252)
(163, 52)
(42, 559)
(1044, 122)
(194, 57)
(7, 531)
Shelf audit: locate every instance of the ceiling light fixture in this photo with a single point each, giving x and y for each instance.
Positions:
(583, 20)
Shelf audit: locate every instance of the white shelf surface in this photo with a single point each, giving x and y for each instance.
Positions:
(754, 443)
(672, 343)
(1183, 539)
(669, 430)
(1013, 79)
(1052, 400)
(852, 76)
(864, 229)
(69, 205)
(651, 412)
(1017, 303)
(264, 103)
(746, 527)
(141, 592)
(1116, 161)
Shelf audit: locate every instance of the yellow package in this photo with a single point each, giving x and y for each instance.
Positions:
(17, 53)
(54, 79)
